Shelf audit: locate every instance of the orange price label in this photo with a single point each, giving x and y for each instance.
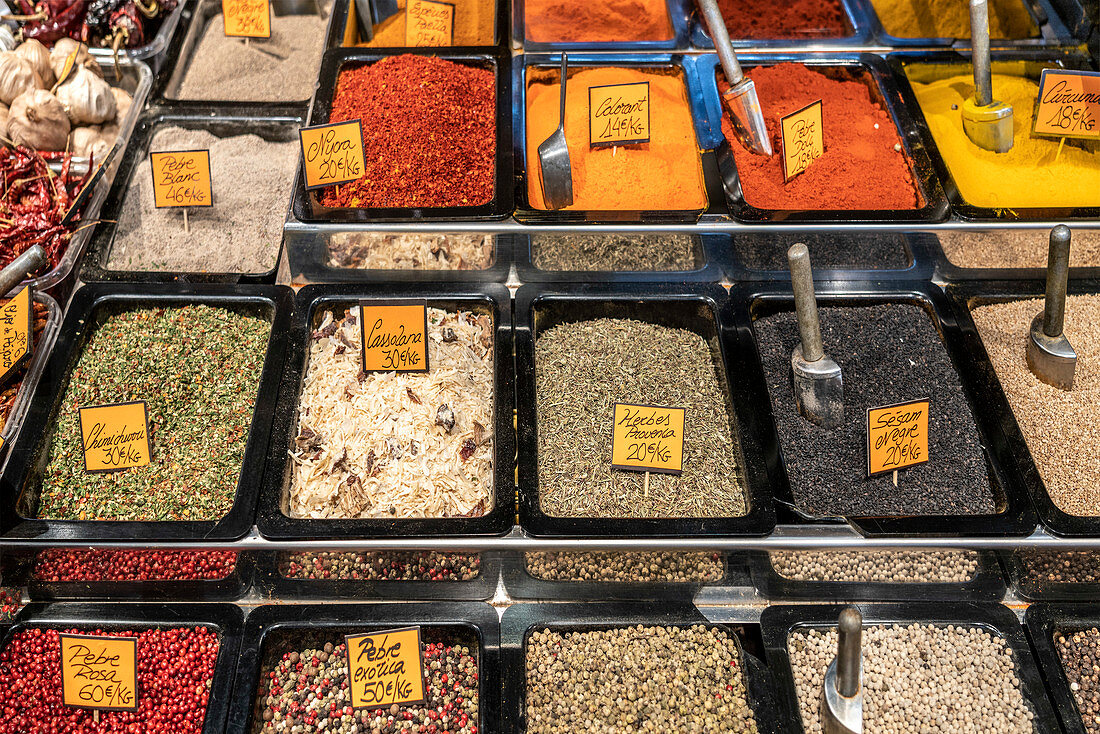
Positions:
(181, 178)
(648, 438)
(385, 668)
(333, 154)
(99, 672)
(429, 23)
(247, 18)
(803, 139)
(395, 336)
(16, 328)
(1069, 104)
(618, 114)
(115, 437)
(897, 436)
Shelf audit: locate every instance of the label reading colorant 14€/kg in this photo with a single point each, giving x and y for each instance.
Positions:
(648, 438)
(429, 23)
(1069, 104)
(115, 436)
(181, 178)
(333, 154)
(99, 672)
(247, 18)
(385, 668)
(803, 139)
(618, 114)
(897, 436)
(395, 336)
(16, 328)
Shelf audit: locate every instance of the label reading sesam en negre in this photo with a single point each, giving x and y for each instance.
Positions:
(115, 437)
(385, 668)
(897, 436)
(332, 154)
(618, 114)
(395, 336)
(648, 438)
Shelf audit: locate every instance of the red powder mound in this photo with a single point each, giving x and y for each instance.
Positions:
(603, 21)
(860, 168)
(796, 19)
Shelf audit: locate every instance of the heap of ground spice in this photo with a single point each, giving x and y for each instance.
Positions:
(474, 25)
(429, 133)
(951, 19)
(10, 393)
(794, 20)
(584, 21)
(863, 166)
(1015, 248)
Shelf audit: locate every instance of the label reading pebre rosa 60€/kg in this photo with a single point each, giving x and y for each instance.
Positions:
(395, 336)
(385, 668)
(115, 436)
(332, 154)
(181, 178)
(648, 438)
(99, 672)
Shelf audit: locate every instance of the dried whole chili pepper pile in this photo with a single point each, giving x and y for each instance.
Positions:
(429, 133)
(10, 391)
(115, 23)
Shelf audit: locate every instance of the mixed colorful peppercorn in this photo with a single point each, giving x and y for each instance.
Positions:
(380, 566)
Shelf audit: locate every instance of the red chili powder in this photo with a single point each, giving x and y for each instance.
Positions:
(429, 133)
(797, 19)
(863, 166)
(592, 21)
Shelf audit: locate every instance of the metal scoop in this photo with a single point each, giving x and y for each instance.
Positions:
(29, 261)
(373, 12)
(740, 100)
(817, 381)
(557, 175)
(1050, 356)
(986, 122)
(842, 695)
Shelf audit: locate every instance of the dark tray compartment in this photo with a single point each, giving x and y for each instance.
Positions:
(778, 622)
(883, 89)
(677, 15)
(493, 298)
(305, 206)
(706, 267)
(271, 630)
(950, 272)
(94, 265)
(1015, 516)
(22, 474)
(225, 619)
(520, 619)
(700, 308)
(1042, 622)
(1030, 587)
(857, 26)
(337, 29)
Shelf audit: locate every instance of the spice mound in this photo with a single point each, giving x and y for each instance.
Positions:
(582, 21)
(198, 370)
(942, 679)
(379, 251)
(831, 250)
(1079, 650)
(581, 370)
(474, 25)
(662, 175)
(175, 668)
(666, 679)
(948, 19)
(429, 133)
(587, 252)
(396, 445)
(1034, 173)
(10, 393)
(910, 567)
(1015, 248)
(889, 353)
(1058, 425)
(863, 166)
(116, 565)
(662, 567)
(380, 566)
(798, 20)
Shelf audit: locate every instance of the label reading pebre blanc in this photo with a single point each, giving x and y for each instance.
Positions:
(181, 178)
(247, 18)
(648, 438)
(803, 139)
(332, 154)
(385, 668)
(618, 114)
(897, 436)
(99, 672)
(115, 436)
(395, 336)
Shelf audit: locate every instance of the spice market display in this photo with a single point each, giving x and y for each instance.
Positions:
(537, 366)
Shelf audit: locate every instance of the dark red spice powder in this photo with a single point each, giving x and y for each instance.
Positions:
(124, 565)
(797, 19)
(863, 166)
(429, 133)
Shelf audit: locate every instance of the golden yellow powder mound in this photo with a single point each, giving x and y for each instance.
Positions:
(951, 18)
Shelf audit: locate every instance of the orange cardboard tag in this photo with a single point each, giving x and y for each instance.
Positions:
(99, 672)
(803, 139)
(16, 328)
(181, 178)
(1069, 104)
(247, 18)
(395, 336)
(333, 154)
(618, 114)
(115, 436)
(648, 438)
(385, 668)
(429, 23)
(897, 436)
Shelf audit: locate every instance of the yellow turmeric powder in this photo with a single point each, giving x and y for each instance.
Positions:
(951, 18)
(663, 174)
(474, 25)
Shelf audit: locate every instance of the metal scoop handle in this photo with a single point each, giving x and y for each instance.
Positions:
(31, 260)
(716, 24)
(979, 42)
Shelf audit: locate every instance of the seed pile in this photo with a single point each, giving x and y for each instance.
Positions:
(889, 353)
(10, 392)
(198, 369)
(174, 671)
(308, 692)
(1015, 248)
(380, 566)
(919, 678)
(626, 567)
(381, 251)
(634, 252)
(651, 679)
(1058, 425)
(1080, 655)
(880, 251)
(58, 564)
(1061, 567)
(877, 566)
(581, 370)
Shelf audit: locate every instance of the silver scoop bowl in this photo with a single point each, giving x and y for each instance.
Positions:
(816, 379)
(1050, 356)
(557, 174)
(842, 694)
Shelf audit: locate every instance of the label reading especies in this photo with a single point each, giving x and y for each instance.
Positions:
(395, 336)
(99, 672)
(115, 436)
(333, 154)
(618, 114)
(429, 23)
(648, 438)
(897, 436)
(16, 328)
(1069, 104)
(803, 139)
(385, 668)
(181, 178)
(247, 18)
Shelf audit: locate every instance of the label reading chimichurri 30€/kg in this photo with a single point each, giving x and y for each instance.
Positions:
(618, 114)
(115, 436)
(333, 154)
(99, 672)
(181, 178)
(648, 438)
(395, 336)
(385, 668)
(897, 437)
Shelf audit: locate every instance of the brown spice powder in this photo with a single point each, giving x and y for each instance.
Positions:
(1016, 248)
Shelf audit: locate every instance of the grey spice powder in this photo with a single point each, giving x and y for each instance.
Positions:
(581, 370)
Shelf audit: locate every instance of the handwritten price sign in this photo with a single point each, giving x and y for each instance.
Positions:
(115, 437)
(247, 18)
(897, 436)
(99, 672)
(16, 327)
(181, 178)
(385, 668)
(429, 23)
(803, 139)
(618, 114)
(1069, 104)
(648, 438)
(395, 336)
(333, 154)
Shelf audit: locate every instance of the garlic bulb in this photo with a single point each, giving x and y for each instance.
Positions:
(16, 76)
(3, 116)
(61, 51)
(82, 138)
(38, 120)
(123, 100)
(39, 58)
(87, 98)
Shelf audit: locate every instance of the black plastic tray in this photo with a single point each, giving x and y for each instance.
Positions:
(868, 69)
(270, 630)
(950, 272)
(701, 308)
(225, 619)
(520, 620)
(305, 205)
(337, 30)
(778, 622)
(20, 482)
(1042, 622)
(1015, 516)
(856, 23)
(705, 266)
(494, 298)
(1030, 587)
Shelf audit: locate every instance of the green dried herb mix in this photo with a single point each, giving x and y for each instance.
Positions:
(198, 369)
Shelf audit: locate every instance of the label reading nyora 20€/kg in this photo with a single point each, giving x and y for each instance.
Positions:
(332, 154)
(395, 336)
(897, 436)
(648, 438)
(385, 668)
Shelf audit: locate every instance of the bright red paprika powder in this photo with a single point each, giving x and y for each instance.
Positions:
(794, 20)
